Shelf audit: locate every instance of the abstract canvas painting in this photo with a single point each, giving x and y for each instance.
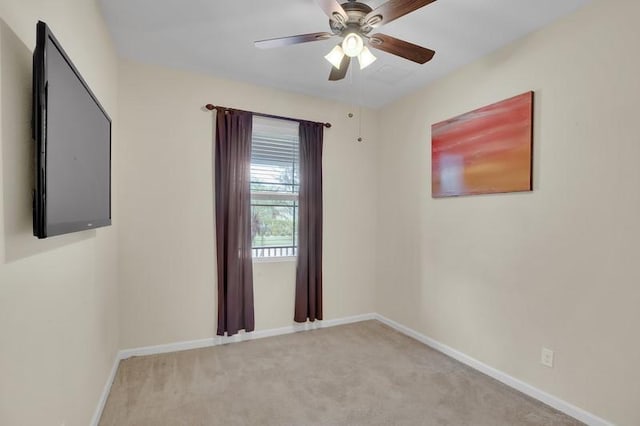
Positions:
(485, 151)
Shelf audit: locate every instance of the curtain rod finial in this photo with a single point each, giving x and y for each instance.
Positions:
(210, 107)
(327, 125)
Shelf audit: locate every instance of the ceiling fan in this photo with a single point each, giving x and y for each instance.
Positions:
(354, 22)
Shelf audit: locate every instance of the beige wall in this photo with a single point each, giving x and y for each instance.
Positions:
(167, 255)
(58, 297)
(498, 277)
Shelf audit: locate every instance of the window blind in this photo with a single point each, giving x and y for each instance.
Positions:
(275, 155)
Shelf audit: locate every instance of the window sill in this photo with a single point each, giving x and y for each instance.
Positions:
(275, 259)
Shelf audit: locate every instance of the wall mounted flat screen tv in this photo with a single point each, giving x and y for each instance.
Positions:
(72, 134)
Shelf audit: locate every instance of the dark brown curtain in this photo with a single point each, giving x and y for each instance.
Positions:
(309, 268)
(233, 221)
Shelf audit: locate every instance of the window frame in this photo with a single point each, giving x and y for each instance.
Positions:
(290, 194)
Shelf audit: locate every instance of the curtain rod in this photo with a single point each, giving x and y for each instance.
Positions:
(211, 107)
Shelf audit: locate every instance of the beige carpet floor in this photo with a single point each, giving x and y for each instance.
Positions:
(357, 374)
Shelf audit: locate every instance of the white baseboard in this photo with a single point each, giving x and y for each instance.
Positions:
(105, 392)
(527, 389)
(240, 337)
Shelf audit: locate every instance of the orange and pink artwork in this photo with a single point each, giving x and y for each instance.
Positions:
(485, 151)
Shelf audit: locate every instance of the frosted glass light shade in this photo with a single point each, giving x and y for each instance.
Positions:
(366, 58)
(335, 56)
(352, 45)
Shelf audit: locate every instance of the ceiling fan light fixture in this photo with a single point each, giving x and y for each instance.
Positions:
(366, 58)
(353, 21)
(335, 57)
(352, 45)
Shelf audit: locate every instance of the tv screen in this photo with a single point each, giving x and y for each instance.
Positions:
(72, 133)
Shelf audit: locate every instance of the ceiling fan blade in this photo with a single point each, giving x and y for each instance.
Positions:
(392, 10)
(401, 48)
(339, 74)
(287, 41)
(331, 8)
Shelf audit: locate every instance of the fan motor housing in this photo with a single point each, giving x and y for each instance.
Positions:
(356, 7)
(356, 12)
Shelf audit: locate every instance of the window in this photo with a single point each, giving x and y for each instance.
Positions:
(274, 187)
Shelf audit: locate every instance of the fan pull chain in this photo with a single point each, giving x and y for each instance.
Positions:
(360, 124)
(359, 90)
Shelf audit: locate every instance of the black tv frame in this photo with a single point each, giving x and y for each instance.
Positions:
(44, 36)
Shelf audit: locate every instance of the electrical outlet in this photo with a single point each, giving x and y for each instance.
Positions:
(547, 357)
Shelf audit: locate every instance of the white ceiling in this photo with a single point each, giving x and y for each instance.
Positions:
(216, 37)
